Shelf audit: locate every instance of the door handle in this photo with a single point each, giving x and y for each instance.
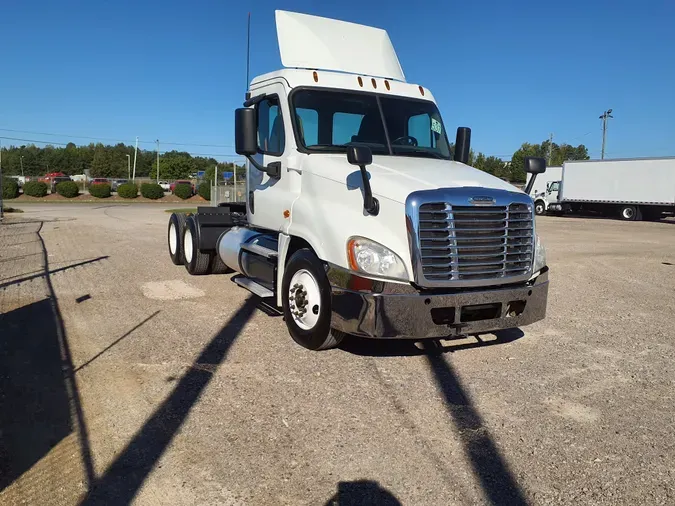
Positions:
(289, 169)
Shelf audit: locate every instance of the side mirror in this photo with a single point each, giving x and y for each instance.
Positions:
(533, 166)
(463, 144)
(245, 132)
(359, 155)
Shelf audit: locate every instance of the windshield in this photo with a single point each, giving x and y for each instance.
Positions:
(399, 126)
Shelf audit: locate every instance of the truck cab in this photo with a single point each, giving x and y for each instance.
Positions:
(359, 218)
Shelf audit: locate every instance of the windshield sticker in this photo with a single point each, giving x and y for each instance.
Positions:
(436, 126)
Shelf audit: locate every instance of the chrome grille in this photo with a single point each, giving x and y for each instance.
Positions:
(475, 242)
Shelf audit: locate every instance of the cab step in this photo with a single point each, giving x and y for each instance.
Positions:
(253, 287)
(259, 250)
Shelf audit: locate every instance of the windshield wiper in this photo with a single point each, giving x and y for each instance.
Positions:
(432, 154)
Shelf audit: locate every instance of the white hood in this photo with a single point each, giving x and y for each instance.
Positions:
(395, 177)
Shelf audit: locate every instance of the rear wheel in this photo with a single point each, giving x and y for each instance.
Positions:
(306, 300)
(630, 213)
(175, 237)
(196, 262)
(539, 208)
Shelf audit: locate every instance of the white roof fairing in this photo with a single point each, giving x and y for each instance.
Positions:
(321, 43)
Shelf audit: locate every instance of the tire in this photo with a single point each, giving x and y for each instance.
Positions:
(310, 288)
(175, 237)
(630, 213)
(217, 265)
(196, 262)
(539, 208)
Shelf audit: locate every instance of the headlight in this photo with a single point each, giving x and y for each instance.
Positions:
(539, 256)
(373, 258)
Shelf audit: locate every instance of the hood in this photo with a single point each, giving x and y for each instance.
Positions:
(395, 177)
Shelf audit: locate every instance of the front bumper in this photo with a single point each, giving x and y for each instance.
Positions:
(376, 310)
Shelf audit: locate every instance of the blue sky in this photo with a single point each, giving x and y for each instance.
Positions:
(175, 70)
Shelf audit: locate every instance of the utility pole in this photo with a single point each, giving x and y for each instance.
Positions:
(22, 166)
(604, 117)
(135, 154)
(234, 168)
(157, 161)
(128, 166)
(550, 148)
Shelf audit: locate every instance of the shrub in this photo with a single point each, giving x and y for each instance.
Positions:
(183, 191)
(204, 191)
(152, 191)
(100, 191)
(10, 188)
(35, 189)
(127, 191)
(68, 189)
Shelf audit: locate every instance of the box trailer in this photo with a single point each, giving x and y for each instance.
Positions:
(632, 189)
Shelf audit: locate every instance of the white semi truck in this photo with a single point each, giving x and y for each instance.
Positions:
(544, 190)
(629, 189)
(358, 220)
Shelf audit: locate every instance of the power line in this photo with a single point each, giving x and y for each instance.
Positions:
(115, 140)
(227, 155)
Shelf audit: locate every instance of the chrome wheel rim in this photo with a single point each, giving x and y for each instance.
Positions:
(304, 299)
(187, 247)
(173, 239)
(628, 213)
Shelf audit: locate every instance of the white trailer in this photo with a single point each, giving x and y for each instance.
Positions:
(545, 189)
(632, 189)
(358, 219)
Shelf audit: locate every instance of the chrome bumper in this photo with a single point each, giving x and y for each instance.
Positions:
(386, 310)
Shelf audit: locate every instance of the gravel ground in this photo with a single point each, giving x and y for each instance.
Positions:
(123, 379)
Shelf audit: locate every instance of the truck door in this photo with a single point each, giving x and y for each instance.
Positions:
(552, 190)
(268, 197)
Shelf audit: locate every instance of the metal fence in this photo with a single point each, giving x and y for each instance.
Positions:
(226, 193)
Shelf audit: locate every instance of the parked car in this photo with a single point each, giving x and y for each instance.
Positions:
(98, 180)
(166, 186)
(172, 187)
(116, 182)
(56, 180)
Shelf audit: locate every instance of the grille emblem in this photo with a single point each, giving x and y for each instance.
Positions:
(482, 201)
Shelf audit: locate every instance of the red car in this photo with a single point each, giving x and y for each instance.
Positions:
(99, 180)
(172, 187)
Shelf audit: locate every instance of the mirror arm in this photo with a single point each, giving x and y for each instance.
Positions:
(253, 101)
(272, 170)
(530, 184)
(370, 203)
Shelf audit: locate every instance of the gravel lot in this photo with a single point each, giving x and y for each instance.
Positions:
(123, 379)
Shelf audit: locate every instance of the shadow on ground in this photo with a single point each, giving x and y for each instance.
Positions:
(361, 492)
(123, 478)
(408, 347)
(39, 401)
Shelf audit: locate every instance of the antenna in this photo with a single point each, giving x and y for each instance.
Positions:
(248, 53)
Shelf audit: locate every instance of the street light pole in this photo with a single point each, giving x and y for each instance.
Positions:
(128, 166)
(135, 154)
(157, 161)
(22, 166)
(604, 117)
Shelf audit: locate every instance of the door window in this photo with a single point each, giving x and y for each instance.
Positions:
(271, 137)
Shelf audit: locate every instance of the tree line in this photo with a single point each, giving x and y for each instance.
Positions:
(111, 161)
(514, 170)
(107, 161)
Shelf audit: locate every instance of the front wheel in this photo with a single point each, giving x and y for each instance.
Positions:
(539, 208)
(306, 300)
(630, 213)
